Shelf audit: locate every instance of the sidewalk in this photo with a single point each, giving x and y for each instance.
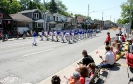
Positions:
(118, 74)
(71, 68)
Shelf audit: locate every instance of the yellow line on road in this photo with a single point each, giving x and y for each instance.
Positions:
(120, 64)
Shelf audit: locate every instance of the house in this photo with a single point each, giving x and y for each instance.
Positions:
(72, 22)
(5, 21)
(36, 16)
(21, 22)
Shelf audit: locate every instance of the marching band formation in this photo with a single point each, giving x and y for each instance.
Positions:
(65, 35)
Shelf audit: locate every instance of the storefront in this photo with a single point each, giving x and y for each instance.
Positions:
(5, 21)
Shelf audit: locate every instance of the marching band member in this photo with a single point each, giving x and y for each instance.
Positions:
(34, 38)
(57, 35)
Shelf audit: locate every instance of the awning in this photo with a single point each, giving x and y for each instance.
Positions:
(40, 21)
(52, 22)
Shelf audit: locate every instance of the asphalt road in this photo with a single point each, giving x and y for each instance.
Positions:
(20, 63)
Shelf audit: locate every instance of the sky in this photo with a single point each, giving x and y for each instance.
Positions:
(110, 8)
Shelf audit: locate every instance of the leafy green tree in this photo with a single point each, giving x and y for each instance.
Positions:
(53, 7)
(9, 7)
(125, 13)
(24, 4)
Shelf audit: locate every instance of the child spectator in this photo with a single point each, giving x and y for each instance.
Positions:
(118, 48)
(84, 79)
(74, 79)
(91, 68)
(111, 48)
(123, 38)
(55, 79)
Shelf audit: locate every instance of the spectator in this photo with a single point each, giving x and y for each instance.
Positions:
(84, 79)
(123, 38)
(109, 59)
(91, 68)
(87, 58)
(111, 48)
(74, 79)
(55, 79)
(118, 48)
(107, 41)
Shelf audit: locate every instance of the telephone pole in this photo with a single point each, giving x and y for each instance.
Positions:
(44, 25)
(88, 9)
(130, 21)
(102, 21)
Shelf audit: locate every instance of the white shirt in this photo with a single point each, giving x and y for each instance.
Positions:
(120, 38)
(87, 80)
(109, 57)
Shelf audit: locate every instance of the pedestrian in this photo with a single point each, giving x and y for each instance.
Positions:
(107, 41)
(34, 38)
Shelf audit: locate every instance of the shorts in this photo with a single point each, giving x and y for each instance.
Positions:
(107, 43)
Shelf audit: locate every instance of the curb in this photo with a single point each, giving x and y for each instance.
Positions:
(70, 67)
(120, 56)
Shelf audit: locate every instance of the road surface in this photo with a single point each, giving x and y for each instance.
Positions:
(20, 63)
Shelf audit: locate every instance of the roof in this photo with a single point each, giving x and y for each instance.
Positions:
(27, 11)
(20, 17)
(80, 19)
(40, 21)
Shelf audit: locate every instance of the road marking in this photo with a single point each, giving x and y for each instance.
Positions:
(120, 64)
(9, 79)
(38, 52)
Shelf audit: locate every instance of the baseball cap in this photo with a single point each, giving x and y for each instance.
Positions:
(76, 75)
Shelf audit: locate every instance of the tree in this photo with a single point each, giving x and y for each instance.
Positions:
(35, 5)
(38, 1)
(125, 13)
(53, 7)
(9, 7)
(24, 4)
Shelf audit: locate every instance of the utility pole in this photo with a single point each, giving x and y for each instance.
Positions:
(110, 17)
(130, 17)
(102, 21)
(88, 9)
(44, 25)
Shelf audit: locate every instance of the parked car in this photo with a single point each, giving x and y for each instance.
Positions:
(98, 31)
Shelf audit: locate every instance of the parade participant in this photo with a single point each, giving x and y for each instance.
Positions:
(73, 38)
(80, 32)
(76, 35)
(68, 36)
(52, 35)
(34, 38)
(62, 36)
(42, 35)
(57, 35)
(46, 34)
(107, 41)
(64, 32)
(55, 80)
(85, 33)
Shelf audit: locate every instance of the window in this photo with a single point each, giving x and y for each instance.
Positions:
(54, 18)
(36, 15)
(40, 25)
(48, 18)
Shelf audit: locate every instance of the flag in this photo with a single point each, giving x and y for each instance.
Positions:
(97, 52)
